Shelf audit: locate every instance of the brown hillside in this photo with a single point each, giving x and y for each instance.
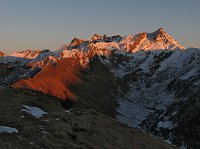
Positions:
(54, 79)
(58, 129)
(94, 87)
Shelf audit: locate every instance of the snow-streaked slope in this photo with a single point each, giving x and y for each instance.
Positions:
(149, 74)
(157, 82)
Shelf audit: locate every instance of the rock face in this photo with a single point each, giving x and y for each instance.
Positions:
(58, 128)
(95, 37)
(1, 54)
(76, 42)
(148, 81)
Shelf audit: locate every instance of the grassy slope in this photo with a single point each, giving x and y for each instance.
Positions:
(58, 129)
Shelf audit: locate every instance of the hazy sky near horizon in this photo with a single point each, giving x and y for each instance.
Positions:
(48, 24)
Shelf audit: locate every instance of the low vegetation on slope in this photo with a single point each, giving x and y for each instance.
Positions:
(54, 79)
(31, 119)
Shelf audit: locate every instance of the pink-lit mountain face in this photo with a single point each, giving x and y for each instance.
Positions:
(80, 52)
(147, 80)
(97, 45)
(1, 54)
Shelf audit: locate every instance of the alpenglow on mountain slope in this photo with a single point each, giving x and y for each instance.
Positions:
(148, 81)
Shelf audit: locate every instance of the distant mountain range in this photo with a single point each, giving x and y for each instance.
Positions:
(148, 81)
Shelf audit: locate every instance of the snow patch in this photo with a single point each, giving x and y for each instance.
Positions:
(7, 129)
(166, 125)
(168, 141)
(34, 111)
(108, 46)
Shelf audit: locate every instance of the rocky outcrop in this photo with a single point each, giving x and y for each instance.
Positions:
(1, 54)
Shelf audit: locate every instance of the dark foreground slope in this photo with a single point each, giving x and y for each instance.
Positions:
(63, 129)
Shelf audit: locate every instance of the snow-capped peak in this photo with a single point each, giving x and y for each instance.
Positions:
(29, 54)
(161, 36)
(158, 40)
(82, 50)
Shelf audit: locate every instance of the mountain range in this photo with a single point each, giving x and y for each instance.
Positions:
(147, 81)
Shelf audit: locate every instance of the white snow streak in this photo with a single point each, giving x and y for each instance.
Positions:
(34, 111)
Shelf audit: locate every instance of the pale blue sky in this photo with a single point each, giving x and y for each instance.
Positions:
(40, 24)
